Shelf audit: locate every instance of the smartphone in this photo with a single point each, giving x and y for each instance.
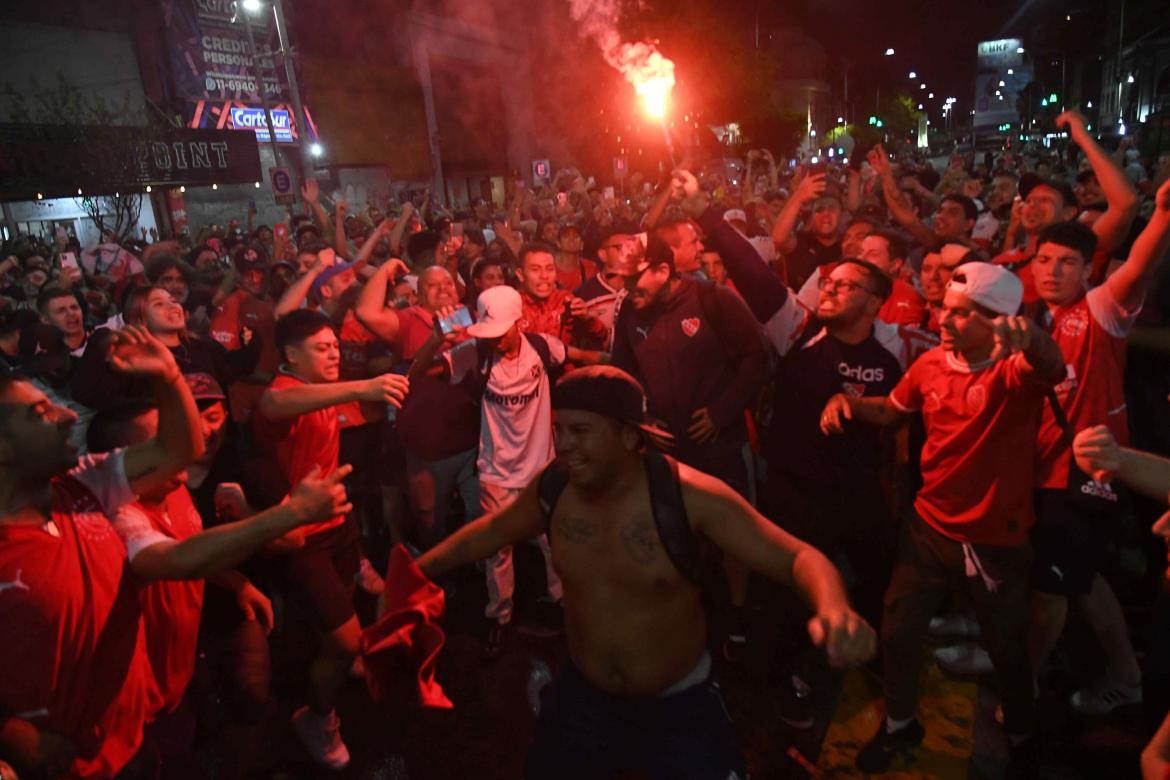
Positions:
(281, 230)
(460, 318)
(607, 193)
(69, 260)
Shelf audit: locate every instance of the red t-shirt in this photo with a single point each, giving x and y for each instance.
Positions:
(1091, 334)
(299, 443)
(171, 609)
(355, 342)
(904, 306)
(981, 423)
(415, 326)
(73, 654)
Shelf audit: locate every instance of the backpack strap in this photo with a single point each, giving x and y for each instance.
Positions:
(542, 350)
(551, 483)
(670, 515)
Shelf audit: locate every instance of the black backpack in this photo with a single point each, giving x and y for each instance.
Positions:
(666, 502)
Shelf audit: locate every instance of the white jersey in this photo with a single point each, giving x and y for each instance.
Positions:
(515, 430)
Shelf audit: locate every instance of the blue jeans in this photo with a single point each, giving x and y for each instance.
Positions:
(432, 485)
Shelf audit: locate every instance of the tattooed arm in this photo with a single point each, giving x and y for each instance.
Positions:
(477, 540)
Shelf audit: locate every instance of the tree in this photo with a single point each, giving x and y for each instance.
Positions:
(113, 159)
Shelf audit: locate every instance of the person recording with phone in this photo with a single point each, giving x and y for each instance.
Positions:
(438, 424)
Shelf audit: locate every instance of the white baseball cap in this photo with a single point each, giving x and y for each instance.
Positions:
(498, 309)
(989, 285)
(732, 215)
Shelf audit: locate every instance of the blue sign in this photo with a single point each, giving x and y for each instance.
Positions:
(246, 118)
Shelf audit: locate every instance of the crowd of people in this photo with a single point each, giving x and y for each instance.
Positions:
(676, 391)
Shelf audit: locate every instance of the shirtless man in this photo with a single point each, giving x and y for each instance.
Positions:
(637, 691)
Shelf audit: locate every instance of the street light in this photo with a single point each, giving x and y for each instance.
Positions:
(316, 149)
(1020, 50)
(253, 6)
(913, 75)
(889, 52)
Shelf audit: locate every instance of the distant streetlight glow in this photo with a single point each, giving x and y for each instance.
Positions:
(252, 6)
(930, 96)
(889, 52)
(1129, 79)
(913, 75)
(316, 150)
(1020, 50)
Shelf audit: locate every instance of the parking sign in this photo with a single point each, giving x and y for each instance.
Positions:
(282, 186)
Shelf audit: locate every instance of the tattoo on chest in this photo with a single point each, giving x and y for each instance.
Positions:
(577, 530)
(640, 538)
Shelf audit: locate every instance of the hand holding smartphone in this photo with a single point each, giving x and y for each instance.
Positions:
(460, 318)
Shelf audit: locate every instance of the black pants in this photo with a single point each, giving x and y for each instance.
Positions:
(585, 733)
(928, 568)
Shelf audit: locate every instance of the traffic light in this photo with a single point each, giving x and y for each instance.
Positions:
(1044, 102)
(879, 123)
(1052, 98)
(873, 119)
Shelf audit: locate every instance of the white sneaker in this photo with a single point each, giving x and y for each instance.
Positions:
(321, 736)
(368, 579)
(966, 659)
(956, 625)
(1104, 697)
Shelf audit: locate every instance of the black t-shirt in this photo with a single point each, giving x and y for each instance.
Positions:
(805, 380)
(808, 254)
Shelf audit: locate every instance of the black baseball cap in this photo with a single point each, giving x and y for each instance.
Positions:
(610, 392)
(1030, 181)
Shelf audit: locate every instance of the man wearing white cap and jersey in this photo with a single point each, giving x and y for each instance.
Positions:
(511, 370)
(981, 393)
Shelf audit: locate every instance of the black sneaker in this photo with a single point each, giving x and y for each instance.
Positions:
(493, 642)
(796, 703)
(881, 750)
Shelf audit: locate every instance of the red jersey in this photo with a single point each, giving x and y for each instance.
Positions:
(904, 306)
(242, 310)
(355, 342)
(74, 657)
(977, 417)
(171, 609)
(547, 317)
(1091, 334)
(299, 443)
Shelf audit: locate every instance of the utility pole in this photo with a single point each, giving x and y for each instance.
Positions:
(294, 90)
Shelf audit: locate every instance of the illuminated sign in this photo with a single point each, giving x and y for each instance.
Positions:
(247, 118)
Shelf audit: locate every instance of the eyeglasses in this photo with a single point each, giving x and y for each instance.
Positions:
(837, 285)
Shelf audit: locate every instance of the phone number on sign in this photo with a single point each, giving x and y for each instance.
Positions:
(235, 84)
